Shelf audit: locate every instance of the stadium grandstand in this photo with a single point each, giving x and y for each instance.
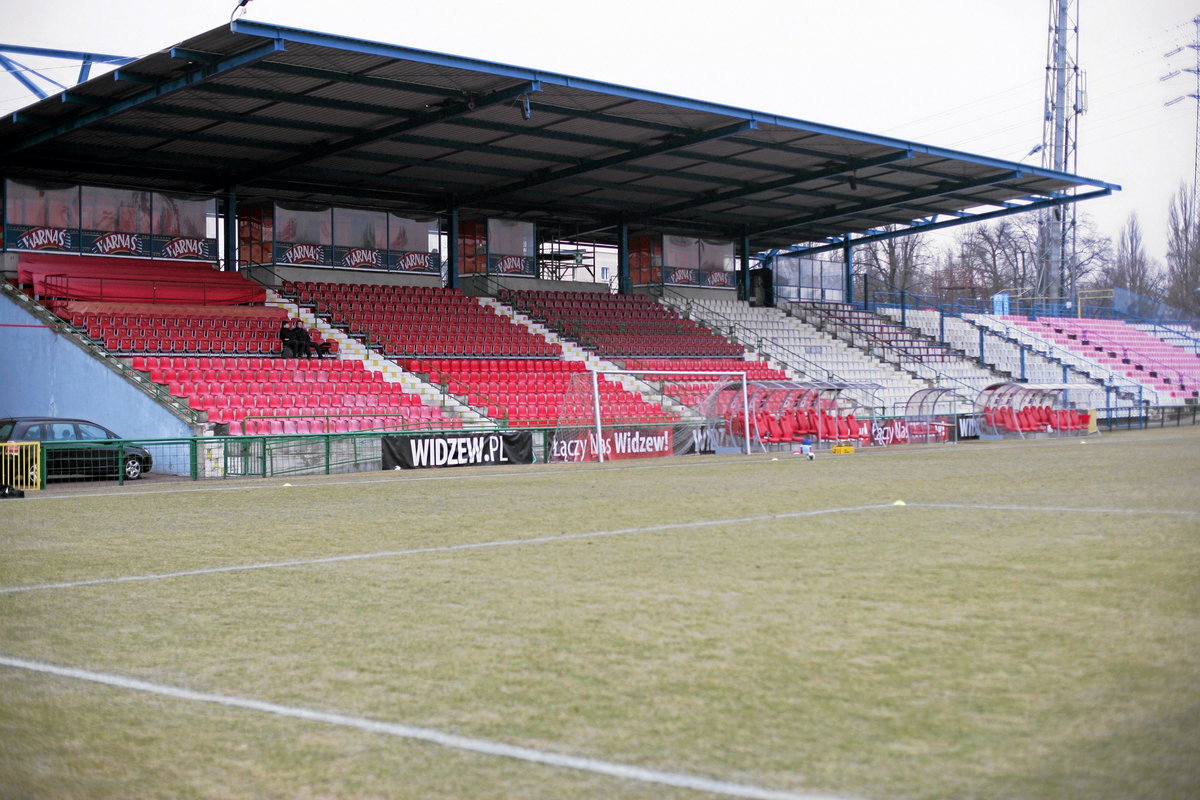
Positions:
(411, 210)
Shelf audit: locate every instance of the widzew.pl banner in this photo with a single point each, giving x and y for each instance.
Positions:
(458, 450)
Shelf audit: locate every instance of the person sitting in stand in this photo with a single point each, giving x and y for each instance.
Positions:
(287, 335)
(303, 343)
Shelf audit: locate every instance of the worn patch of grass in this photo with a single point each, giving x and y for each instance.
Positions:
(1014, 648)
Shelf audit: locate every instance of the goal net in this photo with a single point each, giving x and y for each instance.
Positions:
(619, 414)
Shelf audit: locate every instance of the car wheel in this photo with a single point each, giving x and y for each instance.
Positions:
(133, 468)
(35, 479)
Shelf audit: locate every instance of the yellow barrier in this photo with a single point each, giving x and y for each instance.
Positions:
(21, 466)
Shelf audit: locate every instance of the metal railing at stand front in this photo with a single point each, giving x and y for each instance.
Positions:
(903, 361)
(1187, 332)
(1069, 360)
(748, 337)
(326, 421)
(298, 454)
(53, 322)
(1029, 307)
(1151, 365)
(891, 353)
(1129, 418)
(491, 286)
(1027, 342)
(331, 314)
(372, 341)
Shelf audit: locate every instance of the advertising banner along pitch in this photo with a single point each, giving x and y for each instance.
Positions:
(457, 450)
(617, 444)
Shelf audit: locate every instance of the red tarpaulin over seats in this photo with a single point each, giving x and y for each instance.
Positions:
(134, 280)
(169, 310)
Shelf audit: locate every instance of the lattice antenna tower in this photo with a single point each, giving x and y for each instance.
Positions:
(1066, 102)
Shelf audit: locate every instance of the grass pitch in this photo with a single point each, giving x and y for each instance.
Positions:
(1026, 625)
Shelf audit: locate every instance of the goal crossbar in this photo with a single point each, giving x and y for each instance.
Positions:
(596, 373)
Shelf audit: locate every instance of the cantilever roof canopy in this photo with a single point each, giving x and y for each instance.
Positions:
(292, 115)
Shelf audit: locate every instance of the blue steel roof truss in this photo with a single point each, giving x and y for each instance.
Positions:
(834, 212)
(286, 114)
(155, 91)
(411, 122)
(934, 223)
(21, 72)
(674, 143)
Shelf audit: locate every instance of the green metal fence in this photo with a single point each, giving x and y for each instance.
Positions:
(225, 457)
(211, 457)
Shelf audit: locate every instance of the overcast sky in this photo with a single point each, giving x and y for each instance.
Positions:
(966, 74)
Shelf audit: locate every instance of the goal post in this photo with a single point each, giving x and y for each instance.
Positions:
(618, 413)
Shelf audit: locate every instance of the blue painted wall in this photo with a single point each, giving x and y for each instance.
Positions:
(44, 373)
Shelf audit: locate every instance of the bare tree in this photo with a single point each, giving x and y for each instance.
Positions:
(1004, 256)
(1093, 252)
(1131, 269)
(1183, 252)
(996, 256)
(903, 263)
(954, 278)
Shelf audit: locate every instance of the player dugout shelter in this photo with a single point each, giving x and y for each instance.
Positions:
(253, 120)
(1018, 410)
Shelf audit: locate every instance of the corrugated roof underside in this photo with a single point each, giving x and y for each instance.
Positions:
(356, 125)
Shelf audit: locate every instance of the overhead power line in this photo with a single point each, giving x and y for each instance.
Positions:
(1194, 96)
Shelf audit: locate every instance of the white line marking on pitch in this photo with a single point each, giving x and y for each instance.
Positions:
(486, 747)
(1058, 509)
(449, 548)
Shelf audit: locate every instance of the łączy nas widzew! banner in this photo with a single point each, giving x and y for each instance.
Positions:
(619, 443)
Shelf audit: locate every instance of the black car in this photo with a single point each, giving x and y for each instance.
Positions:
(76, 447)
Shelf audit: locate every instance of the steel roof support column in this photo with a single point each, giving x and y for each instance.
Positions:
(623, 281)
(848, 260)
(452, 248)
(744, 287)
(231, 233)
